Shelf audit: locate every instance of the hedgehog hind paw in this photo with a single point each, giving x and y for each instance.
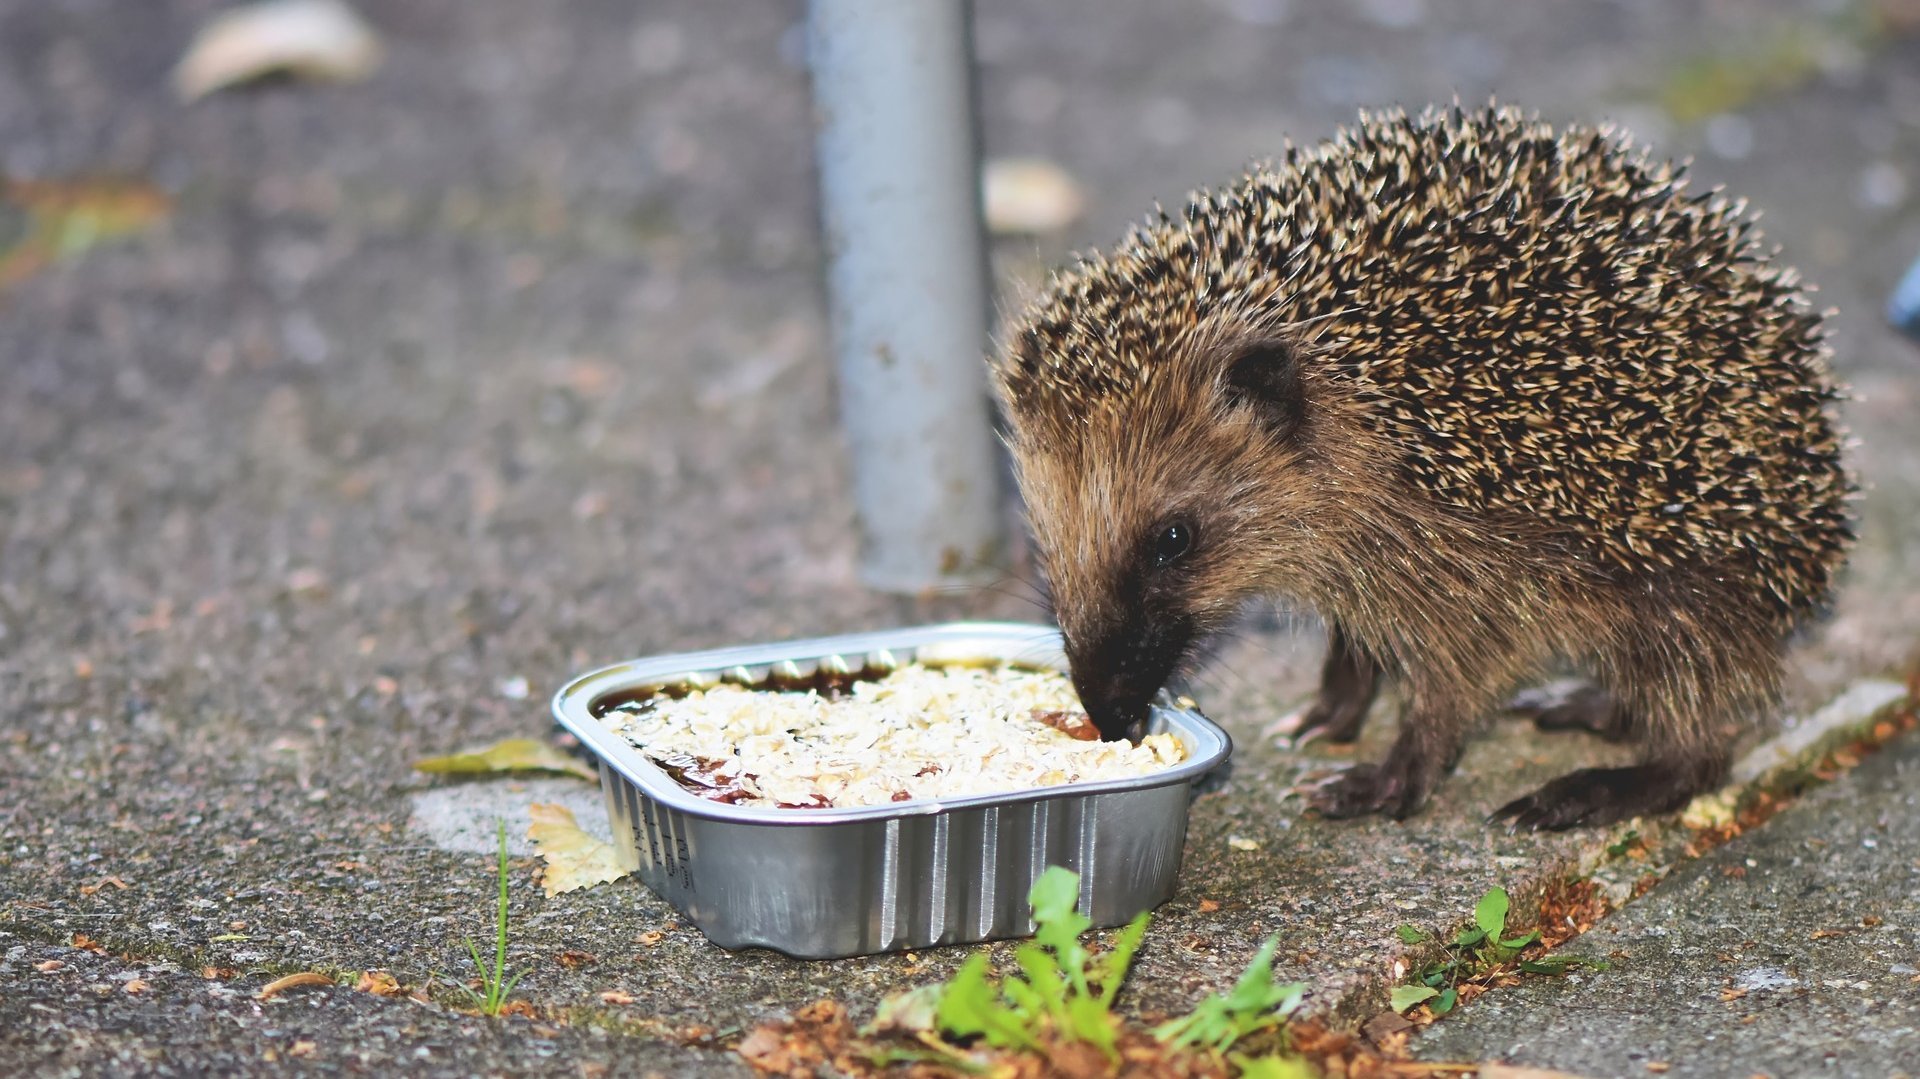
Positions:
(1596, 796)
(1573, 705)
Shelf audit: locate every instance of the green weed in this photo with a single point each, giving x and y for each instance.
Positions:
(1061, 991)
(1473, 953)
(495, 982)
(1064, 994)
(1255, 1004)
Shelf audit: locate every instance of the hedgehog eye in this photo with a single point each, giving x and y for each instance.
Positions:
(1172, 544)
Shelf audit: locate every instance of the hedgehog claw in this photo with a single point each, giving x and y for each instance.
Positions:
(1521, 814)
(1548, 810)
(1390, 789)
(1594, 796)
(1331, 720)
(1360, 790)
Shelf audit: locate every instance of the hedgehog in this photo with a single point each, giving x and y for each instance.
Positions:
(1493, 399)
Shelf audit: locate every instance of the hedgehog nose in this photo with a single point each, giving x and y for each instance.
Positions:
(1116, 694)
(1118, 710)
(1117, 673)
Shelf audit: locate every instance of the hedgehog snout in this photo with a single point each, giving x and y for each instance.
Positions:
(1117, 673)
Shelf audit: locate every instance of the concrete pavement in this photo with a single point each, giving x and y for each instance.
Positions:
(510, 362)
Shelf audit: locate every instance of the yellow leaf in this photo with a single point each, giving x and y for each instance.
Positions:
(1710, 810)
(574, 858)
(512, 755)
(379, 983)
(292, 981)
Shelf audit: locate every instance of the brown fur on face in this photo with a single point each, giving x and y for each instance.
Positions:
(1190, 450)
(1483, 394)
(1100, 484)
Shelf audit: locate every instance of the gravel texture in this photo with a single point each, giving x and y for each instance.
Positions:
(1792, 950)
(434, 390)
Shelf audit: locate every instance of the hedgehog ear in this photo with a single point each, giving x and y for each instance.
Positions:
(1265, 377)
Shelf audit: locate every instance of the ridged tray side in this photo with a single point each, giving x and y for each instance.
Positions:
(942, 878)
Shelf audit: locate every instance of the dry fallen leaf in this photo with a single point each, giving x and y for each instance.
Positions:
(1028, 195)
(512, 755)
(91, 889)
(615, 996)
(291, 981)
(380, 984)
(1389, 1031)
(1714, 810)
(137, 986)
(911, 1013)
(818, 1034)
(314, 39)
(574, 858)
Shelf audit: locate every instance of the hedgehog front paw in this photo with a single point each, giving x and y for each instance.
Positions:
(1396, 788)
(1348, 681)
(1332, 719)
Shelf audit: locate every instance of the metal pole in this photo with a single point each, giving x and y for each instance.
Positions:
(900, 193)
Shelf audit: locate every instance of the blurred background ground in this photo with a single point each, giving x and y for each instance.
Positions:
(430, 391)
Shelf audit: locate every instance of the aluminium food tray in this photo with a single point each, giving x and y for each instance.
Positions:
(825, 883)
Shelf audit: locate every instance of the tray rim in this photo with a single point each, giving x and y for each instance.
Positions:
(571, 709)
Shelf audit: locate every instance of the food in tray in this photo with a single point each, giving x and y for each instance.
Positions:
(919, 732)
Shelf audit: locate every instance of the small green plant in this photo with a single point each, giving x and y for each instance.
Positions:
(1062, 990)
(495, 982)
(1255, 1004)
(1473, 953)
(1064, 994)
(1620, 847)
